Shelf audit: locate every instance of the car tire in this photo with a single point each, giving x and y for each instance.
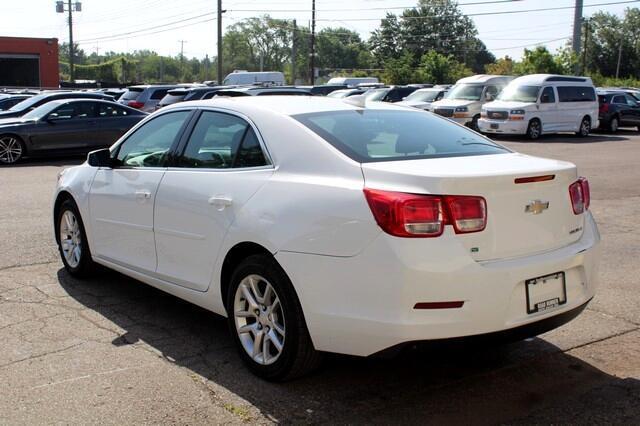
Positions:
(585, 127)
(474, 123)
(12, 149)
(72, 241)
(260, 320)
(613, 125)
(534, 129)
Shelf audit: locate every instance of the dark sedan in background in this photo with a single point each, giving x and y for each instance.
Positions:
(618, 109)
(7, 101)
(21, 108)
(67, 126)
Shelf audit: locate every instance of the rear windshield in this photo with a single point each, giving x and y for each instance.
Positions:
(172, 98)
(132, 93)
(383, 135)
(28, 103)
(423, 96)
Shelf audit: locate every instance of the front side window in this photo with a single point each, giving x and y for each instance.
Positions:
(547, 96)
(381, 135)
(74, 110)
(222, 141)
(619, 100)
(149, 145)
(630, 101)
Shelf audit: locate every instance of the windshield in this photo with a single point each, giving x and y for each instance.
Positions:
(423, 96)
(377, 94)
(28, 103)
(520, 93)
(41, 111)
(467, 92)
(383, 135)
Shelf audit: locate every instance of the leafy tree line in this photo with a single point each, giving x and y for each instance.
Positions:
(432, 42)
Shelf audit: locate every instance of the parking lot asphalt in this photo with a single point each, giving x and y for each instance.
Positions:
(113, 350)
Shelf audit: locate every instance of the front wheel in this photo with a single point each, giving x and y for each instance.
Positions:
(585, 128)
(534, 129)
(11, 149)
(267, 323)
(72, 244)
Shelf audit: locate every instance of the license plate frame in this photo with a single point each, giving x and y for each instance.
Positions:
(556, 279)
(495, 126)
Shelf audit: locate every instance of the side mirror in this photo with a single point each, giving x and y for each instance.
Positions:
(100, 158)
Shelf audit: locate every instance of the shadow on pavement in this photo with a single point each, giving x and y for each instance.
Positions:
(525, 382)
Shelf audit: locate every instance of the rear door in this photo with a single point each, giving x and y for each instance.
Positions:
(112, 121)
(223, 165)
(121, 198)
(548, 110)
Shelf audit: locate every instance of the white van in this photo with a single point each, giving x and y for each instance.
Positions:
(241, 77)
(543, 103)
(464, 100)
(352, 81)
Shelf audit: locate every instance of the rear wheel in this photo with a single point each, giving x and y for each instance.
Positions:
(72, 244)
(585, 127)
(11, 149)
(534, 129)
(267, 323)
(613, 125)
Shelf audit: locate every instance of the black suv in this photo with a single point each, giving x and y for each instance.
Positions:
(390, 94)
(618, 109)
(21, 108)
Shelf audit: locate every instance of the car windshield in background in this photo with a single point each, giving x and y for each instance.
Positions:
(423, 96)
(520, 94)
(467, 92)
(173, 98)
(383, 135)
(28, 103)
(377, 94)
(132, 94)
(41, 111)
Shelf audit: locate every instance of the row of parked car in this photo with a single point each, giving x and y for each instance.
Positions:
(35, 123)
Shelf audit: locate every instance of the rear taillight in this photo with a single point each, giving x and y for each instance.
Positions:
(135, 104)
(580, 194)
(414, 215)
(604, 108)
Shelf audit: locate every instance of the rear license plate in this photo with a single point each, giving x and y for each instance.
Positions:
(544, 293)
(495, 126)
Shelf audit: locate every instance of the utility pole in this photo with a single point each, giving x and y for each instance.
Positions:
(577, 27)
(77, 7)
(294, 52)
(182, 42)
(219, 60)
(312, 61)
(619, 58)
(586, 44)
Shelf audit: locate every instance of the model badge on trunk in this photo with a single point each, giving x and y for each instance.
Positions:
(536, 207)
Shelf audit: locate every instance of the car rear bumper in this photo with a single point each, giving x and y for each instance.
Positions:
(364, 304)
(503, 126)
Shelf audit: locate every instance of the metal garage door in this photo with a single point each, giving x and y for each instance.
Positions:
(19, 70)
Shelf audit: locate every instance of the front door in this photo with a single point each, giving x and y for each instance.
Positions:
(121, 198)
(68, 127)
(223, 165)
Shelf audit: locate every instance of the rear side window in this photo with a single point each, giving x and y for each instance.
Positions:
(107, 110)
(159, 94)
(576, 94)
(382, 135)
(132, 94)
(74, 110)
(222, 141)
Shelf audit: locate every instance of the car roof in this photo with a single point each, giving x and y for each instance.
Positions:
(484, 78)
(539, 79)
(282, 104)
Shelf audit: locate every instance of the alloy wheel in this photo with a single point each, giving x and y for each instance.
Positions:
(614, 125)
(585, 127)
(70, 238)
(534, 129)
(10, 150)
(259, 319)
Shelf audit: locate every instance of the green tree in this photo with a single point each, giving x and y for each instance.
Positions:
(537, 61)
(385, 41)
(341, 48)
(400, 70)
(438, 68)
(503, 66)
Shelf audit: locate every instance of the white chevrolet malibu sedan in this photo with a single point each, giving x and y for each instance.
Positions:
(322, 225)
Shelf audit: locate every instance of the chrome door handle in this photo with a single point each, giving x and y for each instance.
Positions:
(220, 201)
(144, 195)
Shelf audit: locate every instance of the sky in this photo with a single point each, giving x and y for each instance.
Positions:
(115, 25)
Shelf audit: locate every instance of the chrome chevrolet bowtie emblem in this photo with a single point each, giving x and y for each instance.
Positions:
(536, 207)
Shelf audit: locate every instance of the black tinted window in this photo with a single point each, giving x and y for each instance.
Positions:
(159, 94)
(222, 141)
(547, 96)
(74, 110)
(378, 135)
(149, 145)
(576, 94)
(107, 110)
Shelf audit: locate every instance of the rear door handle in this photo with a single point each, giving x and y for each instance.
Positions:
(143, 195)
(220, 201)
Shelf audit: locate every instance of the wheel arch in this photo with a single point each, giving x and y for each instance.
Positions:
(232, 259)
(60, 198)
(21, 138)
